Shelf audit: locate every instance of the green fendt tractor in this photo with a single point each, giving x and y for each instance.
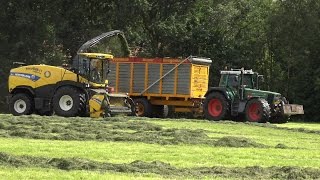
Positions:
(239, 94)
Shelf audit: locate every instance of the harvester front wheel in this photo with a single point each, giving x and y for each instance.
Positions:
(21, 104)
(143, 107)
(66, 102)
(258, 110)
(216, 106)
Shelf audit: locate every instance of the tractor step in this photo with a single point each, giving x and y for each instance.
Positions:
(235, 108)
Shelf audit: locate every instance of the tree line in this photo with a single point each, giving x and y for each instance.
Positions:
(277, 38)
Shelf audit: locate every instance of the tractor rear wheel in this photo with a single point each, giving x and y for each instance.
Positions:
(21, 104)
(258, 110)
(216, 106)
(143, 107)
(66, 102)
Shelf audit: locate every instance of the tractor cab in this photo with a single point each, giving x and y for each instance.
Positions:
(240, 77)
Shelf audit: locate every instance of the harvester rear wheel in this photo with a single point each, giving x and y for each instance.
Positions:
(257, 110)
(216, 106)
(66, 102)
(143, 107)
(21, 104)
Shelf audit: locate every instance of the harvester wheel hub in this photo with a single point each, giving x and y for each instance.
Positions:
(20, 106)
(66, 102)
(215, 107)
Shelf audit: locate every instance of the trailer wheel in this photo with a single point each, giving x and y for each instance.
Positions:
(66, 102)
(143, 107)
(216, 106)
(21, 104)
(258, 110)
(161, 111)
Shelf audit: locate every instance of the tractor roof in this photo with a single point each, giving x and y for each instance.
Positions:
(237, 71)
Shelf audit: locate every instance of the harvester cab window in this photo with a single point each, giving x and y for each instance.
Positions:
(84, 66)
(96, 71)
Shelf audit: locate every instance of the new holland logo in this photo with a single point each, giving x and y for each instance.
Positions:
(32, 77)
(47, 74)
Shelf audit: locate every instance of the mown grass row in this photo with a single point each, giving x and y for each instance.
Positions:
(187, 148)
(160, 168)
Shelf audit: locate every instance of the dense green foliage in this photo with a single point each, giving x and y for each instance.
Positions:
(280, 39)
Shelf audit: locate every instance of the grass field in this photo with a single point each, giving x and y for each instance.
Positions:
(35, 147)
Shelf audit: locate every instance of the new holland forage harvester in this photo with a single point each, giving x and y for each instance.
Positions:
(77, 91)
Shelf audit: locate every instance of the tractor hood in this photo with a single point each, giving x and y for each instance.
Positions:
(249, 93)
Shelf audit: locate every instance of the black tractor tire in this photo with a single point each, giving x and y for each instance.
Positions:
(21, 104)
(216, 106)
(160, 111)
(66, 102)
(257, 110)
(143, 107)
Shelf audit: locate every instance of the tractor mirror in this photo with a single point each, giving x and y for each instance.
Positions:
(261, 78)
(236, 78)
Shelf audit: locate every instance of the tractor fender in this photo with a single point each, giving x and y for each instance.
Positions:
(217, 89)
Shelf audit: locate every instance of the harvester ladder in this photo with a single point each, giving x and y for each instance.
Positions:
(165, 75)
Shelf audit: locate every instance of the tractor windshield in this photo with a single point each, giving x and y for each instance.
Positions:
(248, 81)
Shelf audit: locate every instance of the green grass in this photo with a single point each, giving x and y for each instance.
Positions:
(124, 140)
(176, 155)
(9, 173)
(310, 126)
(265, 135)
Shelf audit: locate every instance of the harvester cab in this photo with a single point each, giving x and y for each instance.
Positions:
(239, 93)
(79, 90)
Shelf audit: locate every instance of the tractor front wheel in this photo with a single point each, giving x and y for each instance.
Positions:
(216, 106)
(258, 110)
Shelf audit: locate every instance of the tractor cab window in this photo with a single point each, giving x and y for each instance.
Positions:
(247, 81)
(223, 81)
(233, 80)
